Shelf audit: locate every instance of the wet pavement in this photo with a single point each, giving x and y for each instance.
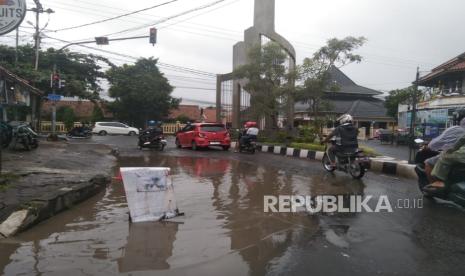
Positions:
(399, 152)
(225, 231)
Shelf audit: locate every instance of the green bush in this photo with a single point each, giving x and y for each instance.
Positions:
(307, 135)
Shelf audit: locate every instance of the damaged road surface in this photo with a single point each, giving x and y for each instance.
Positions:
(225, 230)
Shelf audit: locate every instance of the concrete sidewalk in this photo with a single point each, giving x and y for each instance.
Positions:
(50, 179)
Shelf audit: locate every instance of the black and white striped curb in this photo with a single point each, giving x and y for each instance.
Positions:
(383, 164)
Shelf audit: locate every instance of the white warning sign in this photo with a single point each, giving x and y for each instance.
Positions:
(150, 193)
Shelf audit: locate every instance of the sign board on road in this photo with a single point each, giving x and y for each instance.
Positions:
(150, 194)
(54, 97)
(12, 14)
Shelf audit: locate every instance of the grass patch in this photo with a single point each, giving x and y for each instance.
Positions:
(6, 179)
(305, 146)
(369, 151)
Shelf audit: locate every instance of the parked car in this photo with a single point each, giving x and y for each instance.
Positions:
(104, 128)
(199, 135)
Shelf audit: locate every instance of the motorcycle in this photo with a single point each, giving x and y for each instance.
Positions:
(25, 136)
(454, 186)
(249, 147)
(353, 162)
(80, 133)
(151, 141)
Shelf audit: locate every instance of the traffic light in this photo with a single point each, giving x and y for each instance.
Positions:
(102, 40)
(153, 36)
(55, 83)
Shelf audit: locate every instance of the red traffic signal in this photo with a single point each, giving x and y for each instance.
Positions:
(153, 36)
(55, 80)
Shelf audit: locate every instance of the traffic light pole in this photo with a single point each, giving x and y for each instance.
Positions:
(93, 41)
(54, 105)
(54, 113)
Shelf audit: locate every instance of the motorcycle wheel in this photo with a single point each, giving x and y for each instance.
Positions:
(356, 170)
(35, 144)
(327, 164)
(26, 145)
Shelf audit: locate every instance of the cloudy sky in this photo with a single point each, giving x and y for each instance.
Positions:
(401, 35)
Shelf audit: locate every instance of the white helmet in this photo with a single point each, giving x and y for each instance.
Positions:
(344, 119)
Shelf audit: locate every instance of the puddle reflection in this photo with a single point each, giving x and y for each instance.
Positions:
(223, 202)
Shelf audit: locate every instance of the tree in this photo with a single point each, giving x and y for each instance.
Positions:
(141, 92)
(267, 80)
(97, 114)
(182, 119)
(315, 72)
(82, 72)
(396, 97)
(67, 116)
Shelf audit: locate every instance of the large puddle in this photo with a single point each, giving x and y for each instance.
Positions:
(224, 230)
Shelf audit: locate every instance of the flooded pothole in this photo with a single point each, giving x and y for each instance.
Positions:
(224, 226)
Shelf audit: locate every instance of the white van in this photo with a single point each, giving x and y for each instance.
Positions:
(104, 128)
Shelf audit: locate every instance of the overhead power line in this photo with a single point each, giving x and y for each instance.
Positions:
(161, 64)
(116, 17)
(169, 18)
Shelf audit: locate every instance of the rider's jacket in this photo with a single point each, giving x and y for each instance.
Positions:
(346, 136)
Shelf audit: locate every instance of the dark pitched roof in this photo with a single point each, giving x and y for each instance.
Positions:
(348, 86)
(456, 64)
(20, 81)
(362, 108)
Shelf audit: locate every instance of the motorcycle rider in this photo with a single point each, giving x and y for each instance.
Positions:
(444, 142)
(249, 133)
(346, 137)
(152, 132)
(447, 160)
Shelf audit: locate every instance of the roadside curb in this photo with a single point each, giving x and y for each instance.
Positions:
(40, 209)
(384, 165)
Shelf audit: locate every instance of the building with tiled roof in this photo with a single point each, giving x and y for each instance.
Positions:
(361, 102)
(446, 79)
(443, 93)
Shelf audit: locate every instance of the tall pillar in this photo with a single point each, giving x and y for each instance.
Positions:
(218, 99)
(236, 105)
(264, 15)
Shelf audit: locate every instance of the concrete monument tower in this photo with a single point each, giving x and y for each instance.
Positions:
(263, 29)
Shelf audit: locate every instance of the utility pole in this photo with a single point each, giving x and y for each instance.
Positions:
(16, 49)
(413, 118)
(38, 10)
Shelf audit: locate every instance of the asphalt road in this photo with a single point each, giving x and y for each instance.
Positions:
(226, 232)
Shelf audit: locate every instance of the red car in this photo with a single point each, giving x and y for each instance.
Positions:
(202, 136)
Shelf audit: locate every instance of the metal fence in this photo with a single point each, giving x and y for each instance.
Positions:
(46, 127)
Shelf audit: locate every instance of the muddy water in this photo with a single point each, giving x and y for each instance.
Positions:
(224, 230)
